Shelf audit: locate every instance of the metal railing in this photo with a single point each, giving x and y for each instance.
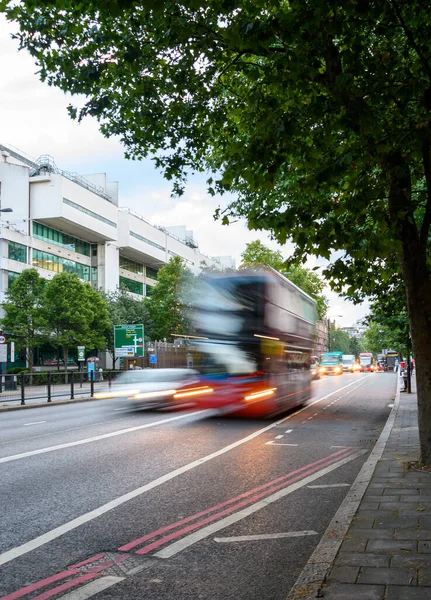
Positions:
(53, 385)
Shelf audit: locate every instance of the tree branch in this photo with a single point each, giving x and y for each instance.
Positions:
(411, 39)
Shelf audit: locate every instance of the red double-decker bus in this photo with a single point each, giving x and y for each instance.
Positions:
(257, 333)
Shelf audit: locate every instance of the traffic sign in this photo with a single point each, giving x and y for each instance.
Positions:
(3, 353)
(81, 353)
(2, 339)
(153, 359)
(12, 352)
(129, 340)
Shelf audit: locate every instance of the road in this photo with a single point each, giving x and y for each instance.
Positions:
(97, 500)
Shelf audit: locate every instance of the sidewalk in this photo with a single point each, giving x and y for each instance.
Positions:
(386, 554)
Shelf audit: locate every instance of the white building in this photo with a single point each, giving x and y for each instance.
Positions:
(66, 222)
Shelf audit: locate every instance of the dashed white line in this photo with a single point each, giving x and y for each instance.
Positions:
(34, 423)
(328, 485)
(264, 536)
(93, 588)
(279, 444)
(278, 437)
(289, 431)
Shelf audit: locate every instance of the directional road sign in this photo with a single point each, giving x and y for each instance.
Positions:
(129, 340)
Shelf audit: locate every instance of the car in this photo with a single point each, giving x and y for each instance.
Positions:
(155, 388)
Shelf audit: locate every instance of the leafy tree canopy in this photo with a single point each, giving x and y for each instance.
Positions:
(77, 314)
(257, 254)
(25, 319)
(167, 303)
(339, 340)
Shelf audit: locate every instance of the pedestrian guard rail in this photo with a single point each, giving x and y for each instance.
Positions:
(54, 385)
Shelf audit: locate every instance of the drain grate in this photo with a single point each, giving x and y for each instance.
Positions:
(368, 441)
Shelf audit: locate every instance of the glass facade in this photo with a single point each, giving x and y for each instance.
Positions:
(11, 276)
(17, 252)
(148, 290)
(89, 212)
(59, 264)
(136, 287)
(42, 232)
(131, 265)
(147, 241)
(151, 272)
(94, 275)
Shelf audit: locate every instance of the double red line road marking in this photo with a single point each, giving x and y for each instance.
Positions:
(94, 567)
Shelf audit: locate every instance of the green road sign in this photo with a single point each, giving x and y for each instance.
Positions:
(129, 340)
(81, 353)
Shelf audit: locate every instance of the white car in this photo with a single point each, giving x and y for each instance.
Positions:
(155, 388)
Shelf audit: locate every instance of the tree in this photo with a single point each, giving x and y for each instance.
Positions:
(77, 314)
(169, 297)
(257, 254)
(25, 319)
(316, 114)
(355, 346)
(339, 340)
(123, 309)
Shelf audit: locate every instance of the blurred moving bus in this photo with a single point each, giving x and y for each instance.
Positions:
(366, 360)
(257, 332)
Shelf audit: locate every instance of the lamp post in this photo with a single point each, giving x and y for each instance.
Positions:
(329, 328)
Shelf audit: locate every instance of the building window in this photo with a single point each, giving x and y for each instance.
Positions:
(147, 241)
(11, 276)
(148, 290)
(89, 212)
(17, 252)
(52, 236)
(131, 265)
(43, 260)
(152, 273)
(93, 249)
(136, 287)
(94, 275)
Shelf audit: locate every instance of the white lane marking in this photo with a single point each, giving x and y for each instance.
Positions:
(339, 446)
(391, 405)
(43, 539)
(289, 431)
(309, 418)
(96, 438)
(34, 423)
(124, 408)
(328, 485)
(192, 538)
(315, 414)
(264, 536)
(279, 444)
(278, 437)
(93, 588)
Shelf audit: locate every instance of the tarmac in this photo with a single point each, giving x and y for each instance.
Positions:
(384, 553)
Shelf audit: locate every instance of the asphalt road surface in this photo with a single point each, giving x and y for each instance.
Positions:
(98, 501)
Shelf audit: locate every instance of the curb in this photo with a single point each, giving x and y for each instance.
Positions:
(309, 583)
(46, 403)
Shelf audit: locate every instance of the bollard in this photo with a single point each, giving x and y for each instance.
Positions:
(48, 385)
(22, 388)
(91, 384)
(72, 390)
(109, 379)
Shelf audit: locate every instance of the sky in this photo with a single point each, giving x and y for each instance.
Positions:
(34, 119)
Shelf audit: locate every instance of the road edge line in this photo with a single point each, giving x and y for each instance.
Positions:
(46, 403)
(312, 576)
